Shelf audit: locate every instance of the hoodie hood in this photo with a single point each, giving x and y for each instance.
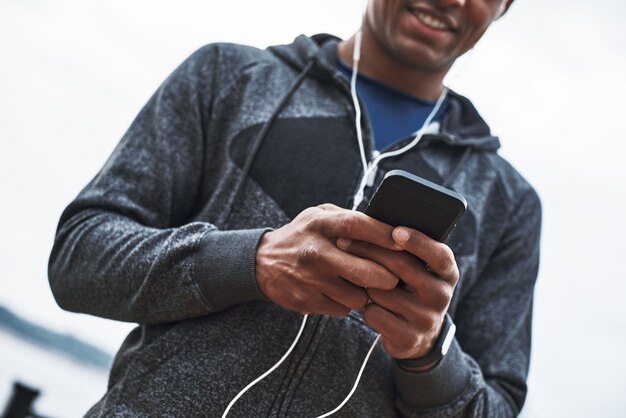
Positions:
(461, 126)
(305, 49)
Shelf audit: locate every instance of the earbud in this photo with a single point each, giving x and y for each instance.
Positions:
(502, 9)
(356, 52)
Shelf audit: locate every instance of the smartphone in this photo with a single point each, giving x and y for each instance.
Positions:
(404, 199)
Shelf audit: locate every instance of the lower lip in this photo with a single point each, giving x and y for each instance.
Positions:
(426, 31)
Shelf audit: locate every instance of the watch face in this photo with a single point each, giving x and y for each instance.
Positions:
(448, 340)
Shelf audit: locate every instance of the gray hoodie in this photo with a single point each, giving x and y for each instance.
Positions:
(239, 140)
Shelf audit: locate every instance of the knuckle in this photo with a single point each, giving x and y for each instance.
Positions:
(310, 219)
(441, 301)
(430, 322)
(448, 271)
(308, 213)
(446, 252)
(309, 254)
(360, 217)
(440, 304)
(454, 275)
(347, 223)
(326, 206)
(444, 259)
(298, 300)
(313, 222)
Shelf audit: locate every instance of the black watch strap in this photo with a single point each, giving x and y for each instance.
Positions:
(439, 349)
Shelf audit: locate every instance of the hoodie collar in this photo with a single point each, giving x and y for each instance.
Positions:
(461, 126)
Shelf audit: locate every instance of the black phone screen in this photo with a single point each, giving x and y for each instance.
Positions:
(403, 199)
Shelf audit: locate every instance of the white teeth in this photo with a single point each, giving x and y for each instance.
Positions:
(428, 20)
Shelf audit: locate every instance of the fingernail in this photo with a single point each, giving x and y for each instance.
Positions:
(343, 243)
(401, 235)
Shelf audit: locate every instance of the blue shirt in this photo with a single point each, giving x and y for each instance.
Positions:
(393, 115)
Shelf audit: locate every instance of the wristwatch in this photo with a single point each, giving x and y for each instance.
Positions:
(439, 349)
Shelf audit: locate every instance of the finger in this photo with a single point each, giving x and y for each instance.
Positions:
(438, 257)
(329, 307)
(406, 266)
(398, 338)
(423, 313)
(393, 260)
(343, 292)
(362, 272)
(308, 300)
(344, 244)
(326, 257)
(356, 226)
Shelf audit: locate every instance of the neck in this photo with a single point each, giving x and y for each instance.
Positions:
(377, 63)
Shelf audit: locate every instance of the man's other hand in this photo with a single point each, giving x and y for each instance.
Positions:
(409, 316)
(300, 267)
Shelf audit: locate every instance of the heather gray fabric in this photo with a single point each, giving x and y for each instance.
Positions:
(160, 237)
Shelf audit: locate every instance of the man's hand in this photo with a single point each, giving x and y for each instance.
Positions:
(409, 316)
(300, 268)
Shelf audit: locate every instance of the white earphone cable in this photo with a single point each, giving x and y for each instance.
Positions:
(356, 56)
(356, 382)
(373, 165)
(368, 169)
(270, 370)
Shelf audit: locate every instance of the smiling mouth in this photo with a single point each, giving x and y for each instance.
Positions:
(431, 21)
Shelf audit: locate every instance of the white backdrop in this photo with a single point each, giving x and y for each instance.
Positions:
(549, 78)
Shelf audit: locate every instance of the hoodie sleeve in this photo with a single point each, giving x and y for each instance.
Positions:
(122, 248)
(484, 373)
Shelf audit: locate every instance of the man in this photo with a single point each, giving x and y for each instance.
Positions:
(222, 216)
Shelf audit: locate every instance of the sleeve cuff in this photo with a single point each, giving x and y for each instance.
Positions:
(224, 267)
(435, 387)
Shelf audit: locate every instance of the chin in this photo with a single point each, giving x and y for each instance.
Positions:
(422, 59)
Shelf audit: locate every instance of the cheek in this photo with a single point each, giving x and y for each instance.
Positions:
(473, 38)
(382, 16)
(481, 21)
(378, 18)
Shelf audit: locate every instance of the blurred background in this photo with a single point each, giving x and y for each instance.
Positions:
(548, 77)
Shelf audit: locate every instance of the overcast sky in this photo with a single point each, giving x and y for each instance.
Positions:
(549, 78)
